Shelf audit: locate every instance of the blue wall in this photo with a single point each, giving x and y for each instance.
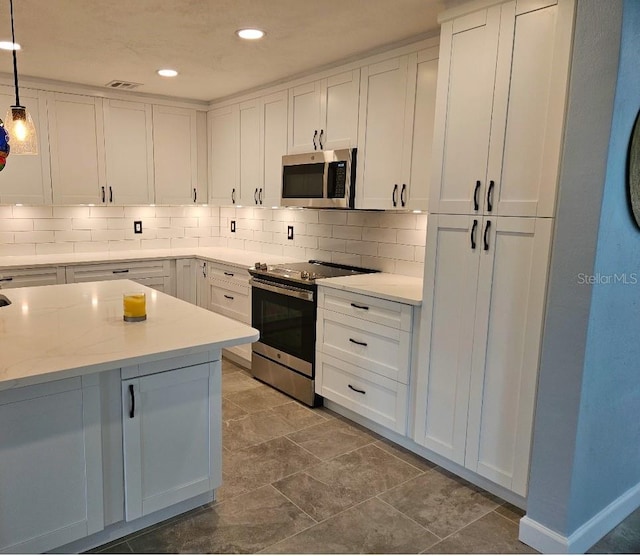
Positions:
(607, 455)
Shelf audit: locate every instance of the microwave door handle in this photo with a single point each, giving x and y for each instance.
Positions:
(325, 181)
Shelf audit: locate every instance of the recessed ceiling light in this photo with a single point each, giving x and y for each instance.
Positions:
(250, 34)
(167, 72)
(8, 45)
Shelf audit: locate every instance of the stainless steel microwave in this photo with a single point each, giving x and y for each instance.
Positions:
(321, 179)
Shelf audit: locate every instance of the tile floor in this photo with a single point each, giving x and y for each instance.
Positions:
(308, 481)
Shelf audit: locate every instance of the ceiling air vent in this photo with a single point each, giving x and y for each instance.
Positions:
(119, 84)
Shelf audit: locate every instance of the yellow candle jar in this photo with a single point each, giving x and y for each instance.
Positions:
(134, 306)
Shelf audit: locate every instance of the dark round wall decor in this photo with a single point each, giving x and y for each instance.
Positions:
(633, 170)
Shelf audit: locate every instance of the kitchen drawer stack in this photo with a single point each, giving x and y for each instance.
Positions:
(363, 355)
(229, 294)
(154, 273)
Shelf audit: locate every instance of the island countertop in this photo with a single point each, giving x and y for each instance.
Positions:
(55, 332)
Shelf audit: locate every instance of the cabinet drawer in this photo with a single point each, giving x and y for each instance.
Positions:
(378, 398)
(118, 271)
(238, 287)
(372, 309)
(381, 349)
(23, 277)
(229, 273)
(230, 303)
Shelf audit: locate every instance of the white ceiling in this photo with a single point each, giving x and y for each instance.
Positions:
(96, 41)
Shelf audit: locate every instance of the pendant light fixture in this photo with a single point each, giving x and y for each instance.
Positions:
(18, 122)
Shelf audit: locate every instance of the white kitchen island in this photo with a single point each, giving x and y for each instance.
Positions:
(106, 426)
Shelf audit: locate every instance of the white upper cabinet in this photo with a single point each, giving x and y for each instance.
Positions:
(397, 103)
(175, 155)
(324, 114)
(224, 155)
(501, 92)
(27, 178)
(247, 142)
(129, 151)
(76, 136)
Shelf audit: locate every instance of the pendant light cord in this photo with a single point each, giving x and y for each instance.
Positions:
(15, 60)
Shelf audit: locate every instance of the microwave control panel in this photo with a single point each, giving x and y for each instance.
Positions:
(337, 179)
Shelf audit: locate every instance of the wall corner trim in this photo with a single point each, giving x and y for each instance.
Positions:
(547, 541)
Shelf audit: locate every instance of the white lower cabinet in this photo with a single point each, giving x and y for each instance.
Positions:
(153, 273)
(23, 277)
(187, 280)
(363, 355)
(228, 292)
(171, 436)
(51, 489)
(482, 317)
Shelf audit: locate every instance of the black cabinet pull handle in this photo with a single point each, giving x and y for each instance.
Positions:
(9, 279)
(204, 270)
(233, 195)
(110, 194)
(260, 195)
(104, 195)
(490, 196)
(229, 274)
(320, 139)
(195, 195)
(486, 235)
(123, 271)
(403, 195)
(229, 296)
(315, 134)
(132, 396)
(394, 195)
(473, 233)
(364, 344)
(476, 202)
(360, 306)
(255, 196)
(356, 389)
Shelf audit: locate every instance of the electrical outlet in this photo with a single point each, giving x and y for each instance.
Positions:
(289, 232)
(233, 226)
(137, 226)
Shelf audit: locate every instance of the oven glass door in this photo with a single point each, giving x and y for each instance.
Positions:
(303, 181)
(286, 323)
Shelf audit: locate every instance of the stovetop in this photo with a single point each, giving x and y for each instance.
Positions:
(307, 272)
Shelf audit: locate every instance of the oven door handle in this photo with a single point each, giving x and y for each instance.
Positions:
(283, 289)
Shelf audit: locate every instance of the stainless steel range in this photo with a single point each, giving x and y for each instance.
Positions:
(283, 309)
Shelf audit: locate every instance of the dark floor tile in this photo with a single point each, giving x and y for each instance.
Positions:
(623, 539)
(254, 428)
(405, 455)
(372, 527)
(510, 512)
(338, 484)
(491, 534)
(231, 410)
(331, 438)
(238, 382)
(245, 524)
(298, 416)
(441, 502)
(249, 468)
(257, 399)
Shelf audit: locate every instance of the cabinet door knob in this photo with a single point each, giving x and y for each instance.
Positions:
(320, 139)
(486, 235)
(315, 134)
(394, 195)
(403, 195)
(473, 233)
(476, 202)
(490, 196)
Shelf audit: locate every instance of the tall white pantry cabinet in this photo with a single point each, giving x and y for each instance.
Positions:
(502, 82)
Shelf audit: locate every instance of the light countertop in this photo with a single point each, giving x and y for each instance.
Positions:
(54, 332)
(394, 287)
(234, 257)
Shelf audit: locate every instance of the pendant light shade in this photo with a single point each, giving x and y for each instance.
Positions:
(18, 122)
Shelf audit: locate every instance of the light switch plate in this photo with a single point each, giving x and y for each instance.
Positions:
(289, 232)
(137, 226)
(233, 226)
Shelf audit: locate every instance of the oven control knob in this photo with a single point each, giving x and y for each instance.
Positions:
(312, 276)
(304, 275)
(263, 266)
(256, 266)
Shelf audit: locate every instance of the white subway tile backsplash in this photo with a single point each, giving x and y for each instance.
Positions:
(392, 242)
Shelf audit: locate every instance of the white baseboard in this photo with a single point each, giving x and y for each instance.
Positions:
(547, 541)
